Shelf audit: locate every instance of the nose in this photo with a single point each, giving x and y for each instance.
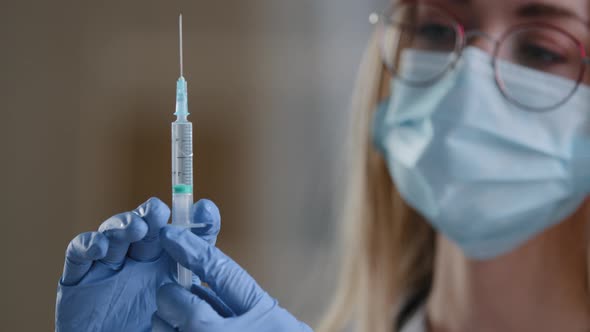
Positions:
(481, 40)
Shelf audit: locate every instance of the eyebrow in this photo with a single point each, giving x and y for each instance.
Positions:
(540, 9)
(546, 10)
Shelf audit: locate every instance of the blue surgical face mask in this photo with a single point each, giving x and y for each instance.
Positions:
(485, 173)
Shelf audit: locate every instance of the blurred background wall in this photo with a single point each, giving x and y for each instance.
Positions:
(87, 96)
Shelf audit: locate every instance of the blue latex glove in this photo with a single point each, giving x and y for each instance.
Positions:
(111, 277)
(181, 310)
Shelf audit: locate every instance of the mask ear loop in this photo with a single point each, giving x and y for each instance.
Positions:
(384, 86)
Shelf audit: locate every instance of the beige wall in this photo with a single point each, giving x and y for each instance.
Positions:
(87, 95)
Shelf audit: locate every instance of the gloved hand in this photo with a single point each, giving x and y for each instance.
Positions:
(181, 310)
(111, 276)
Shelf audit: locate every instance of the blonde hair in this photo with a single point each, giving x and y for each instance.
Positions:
(388, 248)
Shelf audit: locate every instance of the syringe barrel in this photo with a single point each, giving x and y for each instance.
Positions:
(181, 209)
(182, 183)
(182, 157)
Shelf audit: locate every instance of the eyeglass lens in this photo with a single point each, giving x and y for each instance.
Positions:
(537, 47)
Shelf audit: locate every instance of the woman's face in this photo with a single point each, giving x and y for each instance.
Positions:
(497, 152)
(496, 17)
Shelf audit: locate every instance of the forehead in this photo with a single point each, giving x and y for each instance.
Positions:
(495, 16)
(580, 8)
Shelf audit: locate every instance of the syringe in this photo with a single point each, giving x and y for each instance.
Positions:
(182, 164)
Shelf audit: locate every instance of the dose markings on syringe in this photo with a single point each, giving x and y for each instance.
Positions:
(187, 173)
(186, 158)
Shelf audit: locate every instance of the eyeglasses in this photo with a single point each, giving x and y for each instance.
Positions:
(538, 46)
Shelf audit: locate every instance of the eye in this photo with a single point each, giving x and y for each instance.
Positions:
(435, 32)
(537, 55)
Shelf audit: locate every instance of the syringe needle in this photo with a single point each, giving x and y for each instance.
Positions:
(180, 38)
